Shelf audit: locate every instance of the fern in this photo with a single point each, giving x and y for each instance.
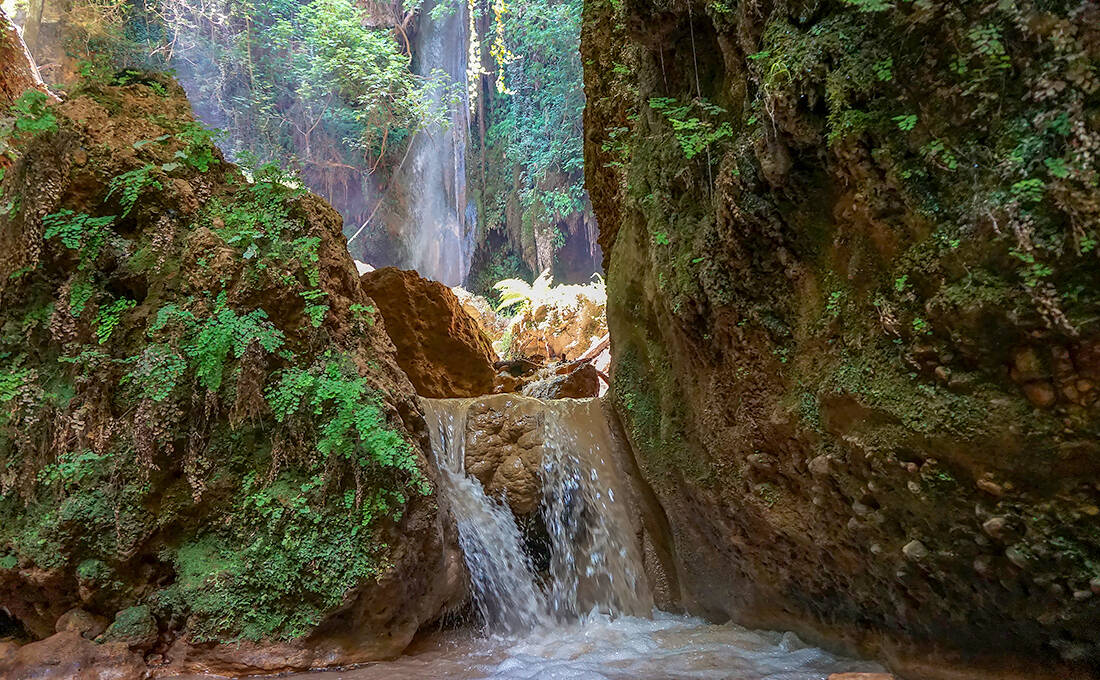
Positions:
(156, 372)
(211, 341)
(515, 292)
(32, 115)
(109, 317)
(130, 185)
(79, 232)
(353, 425)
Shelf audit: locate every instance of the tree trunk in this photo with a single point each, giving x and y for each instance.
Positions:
(17, 70)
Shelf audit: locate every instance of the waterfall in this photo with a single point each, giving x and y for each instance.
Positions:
(501, 574)
(594, 565)
(440, 229)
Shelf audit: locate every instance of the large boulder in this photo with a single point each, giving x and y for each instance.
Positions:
(191, 374)
(439, 346)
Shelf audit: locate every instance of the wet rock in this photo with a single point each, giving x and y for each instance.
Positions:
(915, 551)
(504, 449)
(80, 621)
(69, 656)
(135, 626)
(995, 527)
(990, 487)
(1026, 365)
(1040, 393)
(861, 676)
(439, 346)
(1017, 556)
(819, 466)
(582, 382)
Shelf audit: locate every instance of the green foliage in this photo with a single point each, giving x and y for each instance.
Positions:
(130, 185)
(87, 235)
(72, 468)
(536, 129)
(906, 122)
(199, 150)
(211, 340)
(695, 133)
(109, 316)
(518, 295)
(156, 372)
(78, 231)
(871, 5)
(352, 426)
(289, 553)
(32, 116)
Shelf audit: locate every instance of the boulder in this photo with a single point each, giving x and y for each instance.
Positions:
(80, 621)
(581, 381)
(70, 656)
(135, 626)
(504, 450)
(439, 346)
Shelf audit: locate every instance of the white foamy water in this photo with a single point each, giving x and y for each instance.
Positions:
(500, 572)
(665, 647)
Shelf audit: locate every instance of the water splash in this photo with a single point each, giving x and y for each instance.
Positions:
(503, 580)
(595, 564)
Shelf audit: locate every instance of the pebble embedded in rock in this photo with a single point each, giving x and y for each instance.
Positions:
(995, 526)
(1016, 556)
(915, 551)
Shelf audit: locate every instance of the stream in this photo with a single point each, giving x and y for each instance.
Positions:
(591, 617)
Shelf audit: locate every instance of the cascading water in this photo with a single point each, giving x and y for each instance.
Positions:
(439, 233)
(594, 565)
(591, 617)
(501, 574)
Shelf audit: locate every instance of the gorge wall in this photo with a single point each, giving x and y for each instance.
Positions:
(852, 279)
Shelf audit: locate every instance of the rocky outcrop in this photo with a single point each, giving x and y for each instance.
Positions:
(439, 346)
(504, 449)
(575, 380)
(192, 373)
(852, 287)
(18, 72)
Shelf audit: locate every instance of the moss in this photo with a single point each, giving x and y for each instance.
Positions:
(154, 438)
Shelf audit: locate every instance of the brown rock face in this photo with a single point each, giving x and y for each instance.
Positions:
(835, 374)
(68, 656)
(579, 382)
(17, 70)
(504, 449)
(439, 346)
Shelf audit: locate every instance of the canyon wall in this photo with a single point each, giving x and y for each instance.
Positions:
(852, 279)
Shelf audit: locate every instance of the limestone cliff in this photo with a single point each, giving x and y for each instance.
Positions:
(853, 296)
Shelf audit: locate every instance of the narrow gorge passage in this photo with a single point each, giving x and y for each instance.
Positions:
(550, 339)
(588, 613)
